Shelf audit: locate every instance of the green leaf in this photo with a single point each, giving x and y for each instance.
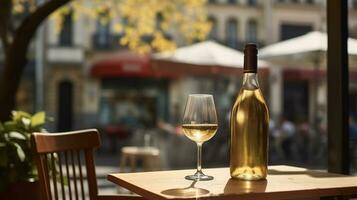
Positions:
(10, 126)
(38, 119)
(26, 122)
(17, 135)
(18, 115)
(20, 152)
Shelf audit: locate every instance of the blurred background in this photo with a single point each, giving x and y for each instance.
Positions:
(83, 77)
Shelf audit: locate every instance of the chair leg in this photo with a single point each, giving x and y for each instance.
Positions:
(132, 163)
(158, 163)
(123, 163)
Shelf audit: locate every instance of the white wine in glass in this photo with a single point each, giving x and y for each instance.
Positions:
(200, 125)
(199, 132)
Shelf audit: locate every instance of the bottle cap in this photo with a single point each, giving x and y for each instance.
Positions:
(250, 58)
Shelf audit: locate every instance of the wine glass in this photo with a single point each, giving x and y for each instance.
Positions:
(199, 124)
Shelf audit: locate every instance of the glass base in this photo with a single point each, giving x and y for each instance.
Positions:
(199, 176)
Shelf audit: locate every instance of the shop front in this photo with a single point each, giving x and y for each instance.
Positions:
(132, 96)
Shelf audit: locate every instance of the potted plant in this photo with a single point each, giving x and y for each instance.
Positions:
(17, 167)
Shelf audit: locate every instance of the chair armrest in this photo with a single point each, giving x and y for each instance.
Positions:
(120, 197)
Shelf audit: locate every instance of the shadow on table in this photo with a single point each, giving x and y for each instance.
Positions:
(312, 173)
(234, 186)
(190, 191)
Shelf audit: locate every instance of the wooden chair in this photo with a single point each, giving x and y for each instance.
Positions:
(59, 164)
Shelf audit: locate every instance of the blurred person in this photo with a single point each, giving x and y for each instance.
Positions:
(303, 139)
(147, 117)
(176, 117)
(169, 128)
(288, 131)
(174, 125)
(273, 141)
(318, 144)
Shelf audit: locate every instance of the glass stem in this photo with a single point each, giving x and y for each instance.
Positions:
(199, 157)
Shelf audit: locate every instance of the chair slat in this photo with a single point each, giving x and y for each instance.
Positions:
(92, 181)
(66, 145)
(80, 172)
(74, 175)
(61, 176)
(54, 173)
(68, 175)
(42, 176)
(47, 176)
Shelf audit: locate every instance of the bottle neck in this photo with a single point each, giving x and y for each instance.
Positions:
(250, 81)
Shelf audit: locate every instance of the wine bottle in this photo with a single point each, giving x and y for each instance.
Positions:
(249, 125)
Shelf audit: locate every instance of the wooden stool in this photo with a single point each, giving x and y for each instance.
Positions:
(150, 157)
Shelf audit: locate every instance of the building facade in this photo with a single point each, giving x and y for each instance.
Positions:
(266, 22)
(73, 94)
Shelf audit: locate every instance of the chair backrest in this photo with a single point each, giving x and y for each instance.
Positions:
(59, 159)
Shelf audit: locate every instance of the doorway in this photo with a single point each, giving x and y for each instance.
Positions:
(296, 100)
(65, 106)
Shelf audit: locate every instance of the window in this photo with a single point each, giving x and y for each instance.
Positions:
(232, 33)
(159, 19)
(354, 4)
(103, 30)
(288, 31)
(232, 1)
(252, 2)
(103, 36)
(251, 31)
(65, 36)
(125, 21)
(214, 32)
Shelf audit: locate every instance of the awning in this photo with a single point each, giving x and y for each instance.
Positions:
(181, 69)
(307, 51)
(203, 58)
(200, 59)
(123, 64)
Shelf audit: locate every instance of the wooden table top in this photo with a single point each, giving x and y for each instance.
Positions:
(283, 182)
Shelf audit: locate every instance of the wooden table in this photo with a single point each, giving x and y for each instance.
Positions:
(283, 182)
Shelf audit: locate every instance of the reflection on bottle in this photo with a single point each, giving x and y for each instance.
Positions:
(235, 186)
(190, 191)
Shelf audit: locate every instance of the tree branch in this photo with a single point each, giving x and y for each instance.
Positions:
(15, 57)
(5, 22)
(30, 24)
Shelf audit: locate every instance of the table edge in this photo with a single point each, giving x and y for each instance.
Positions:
(316, 192)
(134, 188)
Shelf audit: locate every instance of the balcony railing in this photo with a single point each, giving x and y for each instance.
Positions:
(61, 54)
(107, 42)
